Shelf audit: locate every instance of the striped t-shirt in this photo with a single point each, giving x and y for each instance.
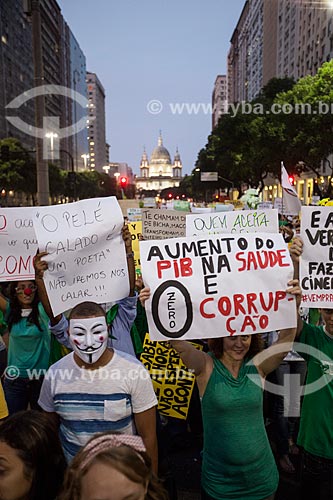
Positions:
(92, 401)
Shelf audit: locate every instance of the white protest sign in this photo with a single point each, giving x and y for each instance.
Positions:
(18, 244)
(246, 221)
(86, 252)
(217, 286)
(316, 263)
(162, 224)
(134, 214)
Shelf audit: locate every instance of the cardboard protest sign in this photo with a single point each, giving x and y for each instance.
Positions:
(218, 285)
(18, 244)
(173, 382)
(162, 224)
(86, 252)
(246, 221)
(136, 231)
(316, 263)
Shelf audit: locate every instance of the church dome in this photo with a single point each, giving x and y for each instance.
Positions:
(160, 153)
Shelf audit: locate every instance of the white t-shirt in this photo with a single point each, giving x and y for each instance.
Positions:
(92, 401)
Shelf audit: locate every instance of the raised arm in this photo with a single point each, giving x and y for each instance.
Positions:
(199, 362)
(296, 250)
(269, 359)
(40, 266)
(127, 237)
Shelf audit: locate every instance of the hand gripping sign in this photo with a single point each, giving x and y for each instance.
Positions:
(217, 285)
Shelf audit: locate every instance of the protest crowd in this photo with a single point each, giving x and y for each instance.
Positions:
(125, 337)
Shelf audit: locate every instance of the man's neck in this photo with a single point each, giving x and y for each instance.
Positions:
(102, 361)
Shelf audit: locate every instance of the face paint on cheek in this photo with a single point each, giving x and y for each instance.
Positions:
(93, 334)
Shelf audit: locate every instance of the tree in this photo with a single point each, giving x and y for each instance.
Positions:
(18, 173)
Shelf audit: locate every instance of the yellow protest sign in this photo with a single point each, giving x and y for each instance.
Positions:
(173, 382)
(136, 231)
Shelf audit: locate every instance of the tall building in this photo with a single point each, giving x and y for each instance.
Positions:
(16, 68)
(159, 172)
(219, 99)
(255, 42)
(63, 64)
(238, 60)
(314, 36)
(96, 130)
(77, 76)
(277, 38)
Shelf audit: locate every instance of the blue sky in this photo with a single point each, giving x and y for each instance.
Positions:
(166, 50)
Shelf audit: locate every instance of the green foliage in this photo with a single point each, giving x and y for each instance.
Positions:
(248, 144)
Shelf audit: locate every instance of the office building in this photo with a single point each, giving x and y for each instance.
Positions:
(96, 130)
(219, 99)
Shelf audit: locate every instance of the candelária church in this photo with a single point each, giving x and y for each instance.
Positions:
(159, 173)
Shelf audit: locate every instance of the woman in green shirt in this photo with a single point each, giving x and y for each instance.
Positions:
(237, 459)
(28, 348)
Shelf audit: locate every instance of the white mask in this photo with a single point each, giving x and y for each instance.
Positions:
(88, 337)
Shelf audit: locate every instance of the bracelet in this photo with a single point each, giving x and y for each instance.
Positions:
(130, 255)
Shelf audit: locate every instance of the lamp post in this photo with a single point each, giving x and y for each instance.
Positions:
(51, 136)
(85, 158)
(106, 169)
(75, 81)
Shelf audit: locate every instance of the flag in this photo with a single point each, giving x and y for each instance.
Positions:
(291, 204)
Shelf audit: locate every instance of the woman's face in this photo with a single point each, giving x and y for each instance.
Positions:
(236, 348)
(103, 482)
(15, 483)
(25, 293)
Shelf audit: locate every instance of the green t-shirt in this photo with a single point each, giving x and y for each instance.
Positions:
(29, 347)
(3, 324)
(316, 429)
(237, 458)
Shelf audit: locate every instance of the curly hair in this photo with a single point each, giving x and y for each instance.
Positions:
(133, 464)
(15, 313)
(216, 346)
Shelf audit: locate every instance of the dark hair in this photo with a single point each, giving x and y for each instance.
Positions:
(135, 465)
(86, 310)
(216, 346)
(35, 439)
(15, 312)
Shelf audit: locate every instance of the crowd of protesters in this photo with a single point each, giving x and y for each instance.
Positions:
(89, 436)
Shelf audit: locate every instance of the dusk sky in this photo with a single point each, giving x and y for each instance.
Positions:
(170, 51)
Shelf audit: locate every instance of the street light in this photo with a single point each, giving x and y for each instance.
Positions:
(85, 160)
(106, 169)
(117, 174)
(51, 136)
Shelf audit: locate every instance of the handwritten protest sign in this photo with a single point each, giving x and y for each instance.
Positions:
(18, 244)
(86, 252)
(217, 286)
(173, 382)
(162, 224)
(134, 214)
(136, 231)
(316, 264)
(247, 221)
